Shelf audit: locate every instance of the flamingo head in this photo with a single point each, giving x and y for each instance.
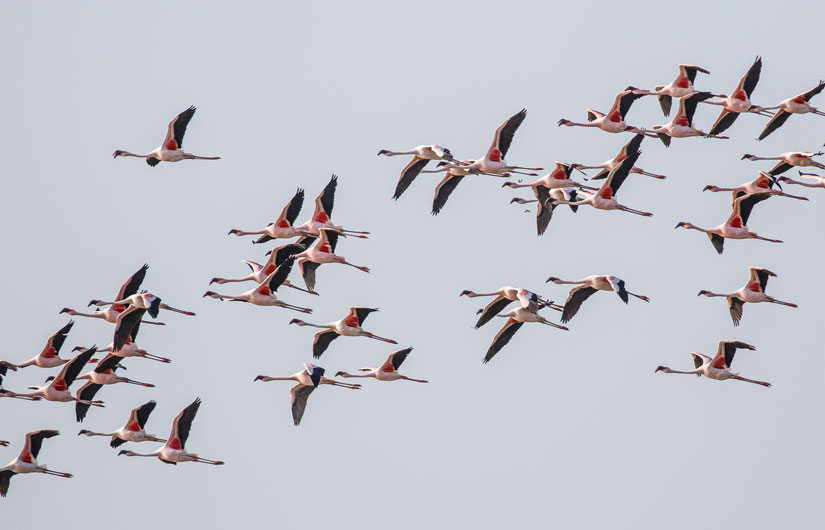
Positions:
(660, 368)
(552, 279)
(117, 153)
(683, 224)
(748, 156)
(703, 292)
(710, 187)
(383, 152)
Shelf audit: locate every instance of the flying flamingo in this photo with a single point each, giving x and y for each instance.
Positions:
(604, 199)
(789, 160)
(630, 147)
(283, 227)
(588, 286)
(26, 462)
(740, 101)
(171, 150)
(277, 256)
(818, 180)
(736, 225)
(761, 184)
(387, 371)
(148, 301)
(349, 326)
(795, 105)
(752, 292)
(558, 178)
(679, 87)
(133, 431)
(58, 388)
(4, 367)
(614, 120)
(682, 124)
(515, 319)
(308, 380)
(174, 449)
(493, 161)
(421, 157)
(719, 367)
(455, 174)
(503, 297)
(545, 204)
(48, 357)
(129, 348)
(264, 293)
(322, 252)
(323, 211)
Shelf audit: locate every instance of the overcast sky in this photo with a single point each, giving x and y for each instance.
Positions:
(562, 429)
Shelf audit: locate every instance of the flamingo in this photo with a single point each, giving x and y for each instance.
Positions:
(588, 286)
(133, 431)
(308, 380)
(322, 252)
(795, 105)
(174, 449)
(502, 298)
(422, 155)
(387, 371)
(614, 120)
(323, 211)
(818, 180)
(606, 167)
(679, 87)
(515, 319)
(682, 125)
(148, 301)
(283, 227)
(264, 293)
(129, 348)
(349, 326)
(719, 367)
(5, 367)
(752, 292)
(545, 204)
(789, 160)
(58, 388)
(740, 101)
(171, 150)
(604, 199)
(455, 174)
(26, 462)
(558, 178)
(48, 357)
(277, 256)
(736, 225)
(493, 161)
(761, 184)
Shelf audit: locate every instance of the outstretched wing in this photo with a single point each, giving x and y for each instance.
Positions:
(298, 399)
(279, 275)
(747, 203)
(182, 424)
(177, 128)
(443, 190)
(727, 349)
(751, 78)
(761, 275)
(132, 285)
(308, 269)
(574, 301)
(735, 306)
(55, 342)
(87, 393)
(690, 103)
(125, 326)
(292, 209)
(544, 209)
(397, 358)
(34, 440)
(504, 135)
(141, 413)
(618, 175)
(502, 338)
(408, 175)
(725, 120)
(492, 309)
(776, 122)
(321, 342)
(325, 201)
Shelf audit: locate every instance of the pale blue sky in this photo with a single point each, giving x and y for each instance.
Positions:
(562, 429)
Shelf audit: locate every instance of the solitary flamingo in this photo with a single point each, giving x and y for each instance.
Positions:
(515, 319)
(283, 227)
(795, 105)
(174, 450)
(264, 293)
(48, 357)
(681, 126)
(148, 301)
(736, 225)
(788, 160)
(719, 367)
(752, 292)
(58, 388)
(421, 157)
(503, 297)
(277, 256)
(349, 326)
(4, 367)
(324, 203)
(493, 161)
(171, 150)
(322, 252)
(308, 380)
(761, 184)
(133, 431)
(614, 120)
(740, 101)
(588, 286)
(817, 181)
(630, 147)
(679, 87)
(26, 462)
(387, 371)
(604, 199)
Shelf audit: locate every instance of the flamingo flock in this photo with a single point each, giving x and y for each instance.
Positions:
(316, 243)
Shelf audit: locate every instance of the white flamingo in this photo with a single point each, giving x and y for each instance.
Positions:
(587, 287)
(422, 155)
(133, 431)
(283, 227)
(753, 292)
(26, 461)
(679, 87)
(789, 160)
(349, 326)
(719, 367)
(387, 371)
(798, 104)
(264, 293)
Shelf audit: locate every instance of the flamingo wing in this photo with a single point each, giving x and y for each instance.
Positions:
(34, 440)
(308, 269)
(502, 338)
(397, 358)
(298, 400)
(56, 341)
(408, 175)
(574, 301)
(751, 78)
(177, 128)
(87, 393)
(125, 326)
(182, 424)
(505, 132)
(443, 190)
(132, 285)
(492, 309)
(761, 275)
(776, 122)
(723, 122)
(544, 209)
(292, 208)
(321, 342)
